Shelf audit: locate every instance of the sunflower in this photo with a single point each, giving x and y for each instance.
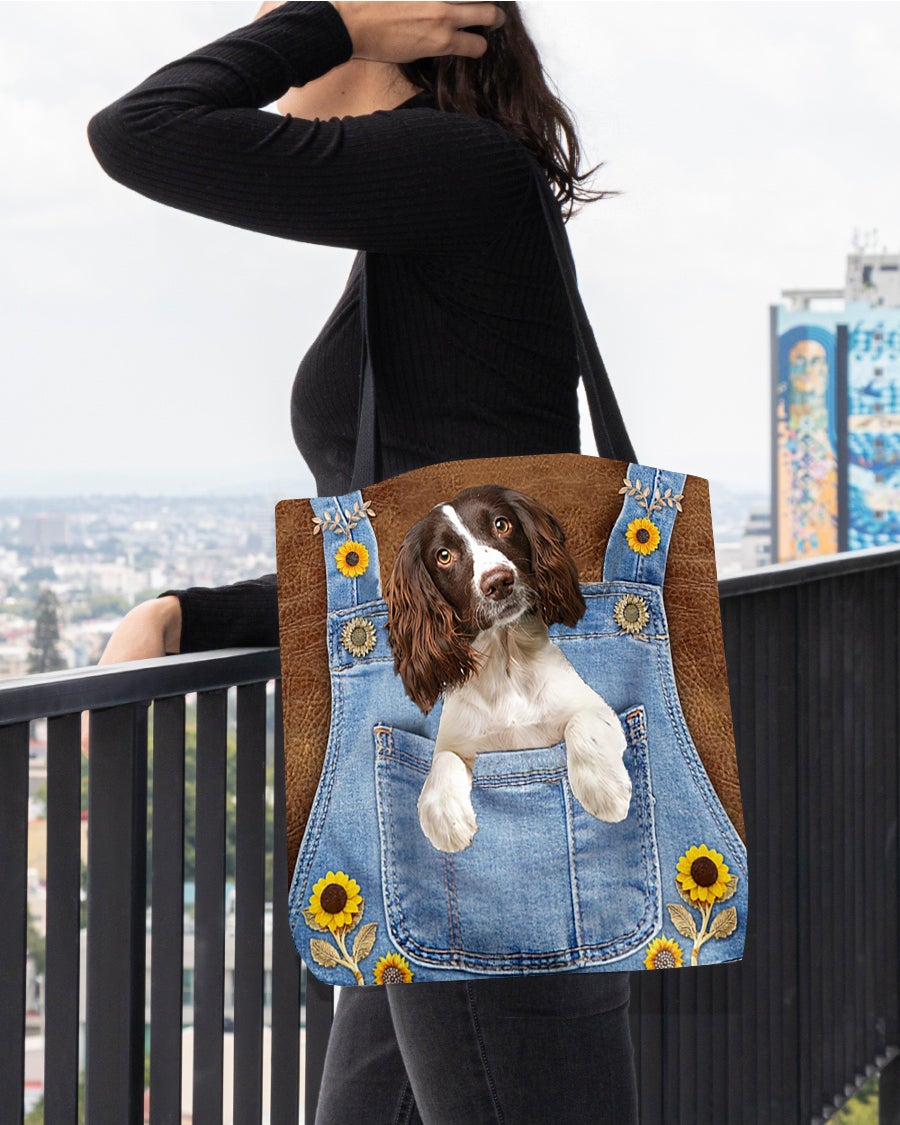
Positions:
(642, 535)
(702, 875)
(392, 969)
(631, 613)
(352, 558)
(335, 900)
(358, 636)
(664, 953)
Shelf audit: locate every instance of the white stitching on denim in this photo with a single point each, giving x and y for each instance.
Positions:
(568, 799)
(316, 821)
(695, 765)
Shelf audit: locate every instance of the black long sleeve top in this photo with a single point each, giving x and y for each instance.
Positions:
(469, 324)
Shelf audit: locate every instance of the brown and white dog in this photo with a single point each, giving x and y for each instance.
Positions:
(474, 587)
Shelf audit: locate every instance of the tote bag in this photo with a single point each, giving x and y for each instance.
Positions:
(508, 735)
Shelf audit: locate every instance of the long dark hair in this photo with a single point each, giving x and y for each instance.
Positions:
(509, 85)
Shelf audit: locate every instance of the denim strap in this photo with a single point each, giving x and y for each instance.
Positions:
(633, 553)
(347, 592)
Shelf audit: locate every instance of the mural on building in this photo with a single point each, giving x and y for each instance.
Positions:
(873, 425)
(806, 488)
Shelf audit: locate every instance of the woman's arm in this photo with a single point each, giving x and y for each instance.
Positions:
(240, 615)
(198, 619)
(421, 180)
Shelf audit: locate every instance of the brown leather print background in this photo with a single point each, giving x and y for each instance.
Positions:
(583, 492)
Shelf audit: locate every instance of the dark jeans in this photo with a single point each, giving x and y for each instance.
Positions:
(533, 1050)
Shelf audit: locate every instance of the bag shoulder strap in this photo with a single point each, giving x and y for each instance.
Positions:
(610, 433)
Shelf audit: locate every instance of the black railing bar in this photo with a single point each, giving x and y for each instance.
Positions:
(167, 918)
(286, 976)
(13, 895)
(250, 883)
(209, 906)
(116, 915)
(136, 681)
(808, 570)
(63, 938)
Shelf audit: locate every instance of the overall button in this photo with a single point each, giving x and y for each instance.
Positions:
(358, 636)
(631, 613)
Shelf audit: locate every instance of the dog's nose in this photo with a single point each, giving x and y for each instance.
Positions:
(498, 583)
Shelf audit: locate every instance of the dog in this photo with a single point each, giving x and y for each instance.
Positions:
(473, 589)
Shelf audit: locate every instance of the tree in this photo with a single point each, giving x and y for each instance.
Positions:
(45, 655)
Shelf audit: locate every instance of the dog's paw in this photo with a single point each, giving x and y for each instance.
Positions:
(604, 793)
(445, 808)
(597, 774)
(450, 828)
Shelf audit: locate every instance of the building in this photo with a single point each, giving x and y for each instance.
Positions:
(836, 413)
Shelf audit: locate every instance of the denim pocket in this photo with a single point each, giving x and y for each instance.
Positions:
(543, 885)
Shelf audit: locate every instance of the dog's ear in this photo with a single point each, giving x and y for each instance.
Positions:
(431, 648)
(555, 573)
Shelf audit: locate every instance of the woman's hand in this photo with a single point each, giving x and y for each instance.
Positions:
(400, 32)
(151, 629)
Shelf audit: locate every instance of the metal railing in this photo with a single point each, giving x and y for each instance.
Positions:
(786, 1035)
(115, 1005)
(781, 1037)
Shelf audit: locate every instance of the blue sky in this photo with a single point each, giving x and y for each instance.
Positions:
(145, 349)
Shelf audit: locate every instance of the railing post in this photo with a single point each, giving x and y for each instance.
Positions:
(167, 966)
(319, 1018)
(14, 853)
(116, 937)
(249, 892)
(285, 959)
(209, 923)
(63, 969)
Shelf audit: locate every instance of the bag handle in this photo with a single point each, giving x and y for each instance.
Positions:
(606, 418)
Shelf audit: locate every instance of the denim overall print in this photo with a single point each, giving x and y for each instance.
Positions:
(544, 886)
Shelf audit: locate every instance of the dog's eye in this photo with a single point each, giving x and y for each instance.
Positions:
(443, 556)
(502, 525)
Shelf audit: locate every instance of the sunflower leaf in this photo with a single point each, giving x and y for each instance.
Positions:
(310, 915)
(724, 923)
(682, 920)
(730, 887)
(364, 941)
(324, 954)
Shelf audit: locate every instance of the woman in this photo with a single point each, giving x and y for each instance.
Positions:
(408, 137)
